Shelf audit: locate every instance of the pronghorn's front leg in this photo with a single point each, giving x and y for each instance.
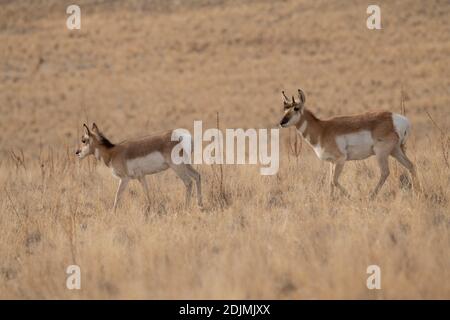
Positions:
(336, 172)
(122, 185)
(382, 152)
(331, 179)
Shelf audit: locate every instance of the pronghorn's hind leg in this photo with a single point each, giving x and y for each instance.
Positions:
(194, 174)
(399, 154)
(122, 185)
(331, 179)
(184, 174)
(382, 151)
(144, 185)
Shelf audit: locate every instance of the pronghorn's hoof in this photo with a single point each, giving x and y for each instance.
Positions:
(147, 210)
(346, 195)
(418, 191)
(342, 193)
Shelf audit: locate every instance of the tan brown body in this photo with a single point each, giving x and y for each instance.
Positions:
(355, 137)
(134, 159)
(123, 153)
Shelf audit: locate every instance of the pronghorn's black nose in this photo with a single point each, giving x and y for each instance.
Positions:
(283, 121)
(77, 152)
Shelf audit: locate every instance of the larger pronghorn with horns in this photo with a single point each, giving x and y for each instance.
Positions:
(356, 137)
(137, 158)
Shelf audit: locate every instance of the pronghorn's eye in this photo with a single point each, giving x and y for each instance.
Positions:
(297, 108)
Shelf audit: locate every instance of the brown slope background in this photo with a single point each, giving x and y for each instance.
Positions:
(138, 67)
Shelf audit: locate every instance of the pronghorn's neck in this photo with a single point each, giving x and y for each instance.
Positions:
(104, 153)
(309, 126)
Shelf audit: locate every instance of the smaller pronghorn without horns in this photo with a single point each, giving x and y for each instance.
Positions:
(356, 137)
(137, 158)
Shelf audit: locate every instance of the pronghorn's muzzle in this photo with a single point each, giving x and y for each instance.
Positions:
(78, 152)
(283, 122)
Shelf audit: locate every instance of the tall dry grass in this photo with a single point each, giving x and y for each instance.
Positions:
(278, 237)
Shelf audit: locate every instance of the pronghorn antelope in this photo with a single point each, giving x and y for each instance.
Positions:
(356, 137)
(137, 158)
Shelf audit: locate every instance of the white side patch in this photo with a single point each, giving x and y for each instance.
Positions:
(401, 126)
(151, 163)
(356, 145)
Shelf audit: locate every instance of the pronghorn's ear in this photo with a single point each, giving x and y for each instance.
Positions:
(95, 128)
(301, 96)
(86, 129)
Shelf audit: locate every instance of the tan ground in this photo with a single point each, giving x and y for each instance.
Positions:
(142, 67)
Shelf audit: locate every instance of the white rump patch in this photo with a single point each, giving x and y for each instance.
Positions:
(356, 145)
(401, 126)
(151, 163)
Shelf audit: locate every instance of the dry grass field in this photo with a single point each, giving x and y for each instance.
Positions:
(138, 67)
